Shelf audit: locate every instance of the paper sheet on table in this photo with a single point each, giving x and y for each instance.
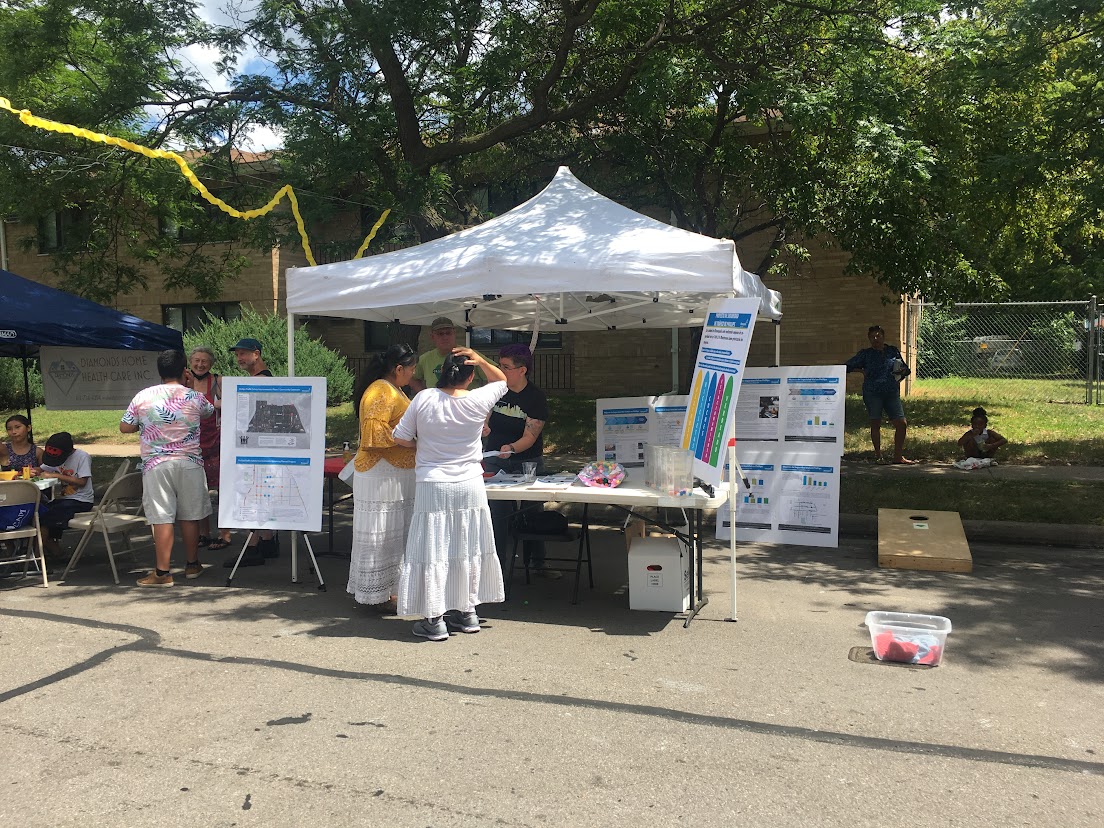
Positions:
(563, 480)
(502, 480)
(495, 453)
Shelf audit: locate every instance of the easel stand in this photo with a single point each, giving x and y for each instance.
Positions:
(734, 468)
(294, 560)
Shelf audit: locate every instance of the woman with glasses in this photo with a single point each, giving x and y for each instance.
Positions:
(383, 482)
(515, 428)
(450, 565)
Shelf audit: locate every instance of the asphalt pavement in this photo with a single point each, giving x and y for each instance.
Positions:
(271, 703)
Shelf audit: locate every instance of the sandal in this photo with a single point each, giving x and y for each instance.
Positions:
(217, 544)
(203, 541)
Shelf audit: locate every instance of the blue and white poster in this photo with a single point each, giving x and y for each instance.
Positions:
(273, 453)
(802, 405)
(715, 387)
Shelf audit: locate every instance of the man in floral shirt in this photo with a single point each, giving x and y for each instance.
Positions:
(166, 417)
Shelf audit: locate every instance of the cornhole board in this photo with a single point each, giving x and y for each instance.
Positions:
(921, 539)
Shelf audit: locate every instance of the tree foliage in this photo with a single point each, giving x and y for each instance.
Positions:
(952, 148)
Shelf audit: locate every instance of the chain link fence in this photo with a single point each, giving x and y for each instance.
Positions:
(1044, 351)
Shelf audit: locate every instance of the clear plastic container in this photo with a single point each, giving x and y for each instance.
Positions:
(908, 637)
(669, 470)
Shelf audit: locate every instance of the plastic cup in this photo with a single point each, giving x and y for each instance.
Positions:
(529, 472)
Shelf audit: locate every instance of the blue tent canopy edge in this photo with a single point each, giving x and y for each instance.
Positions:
(32, 315)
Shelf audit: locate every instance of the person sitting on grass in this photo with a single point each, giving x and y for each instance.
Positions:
(980, 441)
(72, 468)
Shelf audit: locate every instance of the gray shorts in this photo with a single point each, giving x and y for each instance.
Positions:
(175, 490)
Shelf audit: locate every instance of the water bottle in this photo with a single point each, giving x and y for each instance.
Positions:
(346, 451)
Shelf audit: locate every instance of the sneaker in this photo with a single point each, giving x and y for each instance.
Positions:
(465, 622)
(155, 580)
(432, 628)
(549, 574)
(193, 570)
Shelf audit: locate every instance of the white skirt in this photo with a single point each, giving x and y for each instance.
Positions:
(450, 561)
(383, 499)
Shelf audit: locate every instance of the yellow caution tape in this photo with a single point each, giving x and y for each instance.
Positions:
(68, 129)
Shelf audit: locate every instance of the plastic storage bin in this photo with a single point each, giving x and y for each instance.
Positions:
(908, 637)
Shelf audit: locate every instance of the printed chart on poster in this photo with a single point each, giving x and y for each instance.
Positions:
(715, 386)
(802, 405)
(794, 497)
(627, 424)
(273, 450)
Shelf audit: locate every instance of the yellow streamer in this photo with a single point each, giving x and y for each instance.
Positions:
(68, 129)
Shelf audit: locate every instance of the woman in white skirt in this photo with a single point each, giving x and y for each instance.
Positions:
(383, 485)
(450, 564)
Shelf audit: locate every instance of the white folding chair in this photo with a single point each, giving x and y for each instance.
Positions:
(119, 513)
(22, 493)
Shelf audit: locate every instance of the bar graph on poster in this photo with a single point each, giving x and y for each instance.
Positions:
(715, 387)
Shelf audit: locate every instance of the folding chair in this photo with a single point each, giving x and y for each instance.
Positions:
(22, 493)
(580, 536)
(117, 514)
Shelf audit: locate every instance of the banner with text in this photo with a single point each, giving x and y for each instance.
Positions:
(95, 379)
(715, 387)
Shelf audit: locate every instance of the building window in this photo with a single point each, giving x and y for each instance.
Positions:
(490, 338)
(204, 223)
(62, 230)
(192, 317)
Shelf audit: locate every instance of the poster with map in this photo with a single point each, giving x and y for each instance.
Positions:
(273, 450)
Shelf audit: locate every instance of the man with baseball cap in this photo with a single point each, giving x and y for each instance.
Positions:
(72, 468)
(248, 354)
(443, 335)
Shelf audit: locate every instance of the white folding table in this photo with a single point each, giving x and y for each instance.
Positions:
(632, 493)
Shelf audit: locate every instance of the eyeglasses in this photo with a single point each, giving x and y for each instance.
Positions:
(506, 367)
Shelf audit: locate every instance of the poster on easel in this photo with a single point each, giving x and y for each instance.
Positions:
(626, 424)
(715, 386)
(802, 405)
(273, 451)
(793, 497)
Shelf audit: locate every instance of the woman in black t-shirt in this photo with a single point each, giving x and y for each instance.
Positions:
(515, 425)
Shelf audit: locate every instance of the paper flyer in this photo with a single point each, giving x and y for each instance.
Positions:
(715, 387)
(273, 450)
(803, 405)
(794, 497)
(626, 424)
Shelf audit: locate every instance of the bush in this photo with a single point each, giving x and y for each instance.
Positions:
(11, 384)
(312, 358)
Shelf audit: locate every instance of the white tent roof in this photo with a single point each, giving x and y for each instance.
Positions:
(581, 261)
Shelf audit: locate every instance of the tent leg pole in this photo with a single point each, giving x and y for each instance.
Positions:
(777, 342)
(291, 351)
(26, 382)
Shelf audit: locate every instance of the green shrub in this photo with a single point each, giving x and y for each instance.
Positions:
(312, 358)
(11, 384)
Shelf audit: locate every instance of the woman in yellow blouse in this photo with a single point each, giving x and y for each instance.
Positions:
(383, 485)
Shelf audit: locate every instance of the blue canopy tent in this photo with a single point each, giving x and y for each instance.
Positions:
(32, 315)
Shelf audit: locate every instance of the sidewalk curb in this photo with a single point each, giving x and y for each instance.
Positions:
(992, 531)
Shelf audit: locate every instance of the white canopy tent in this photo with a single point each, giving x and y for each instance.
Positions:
(569, 259)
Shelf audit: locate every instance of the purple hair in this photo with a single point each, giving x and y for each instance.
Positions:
(519, 354)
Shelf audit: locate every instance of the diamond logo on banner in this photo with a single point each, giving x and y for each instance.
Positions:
(64, 374)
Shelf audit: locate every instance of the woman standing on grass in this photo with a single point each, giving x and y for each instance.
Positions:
(383, 483)
(19, 451)
(450, 564)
